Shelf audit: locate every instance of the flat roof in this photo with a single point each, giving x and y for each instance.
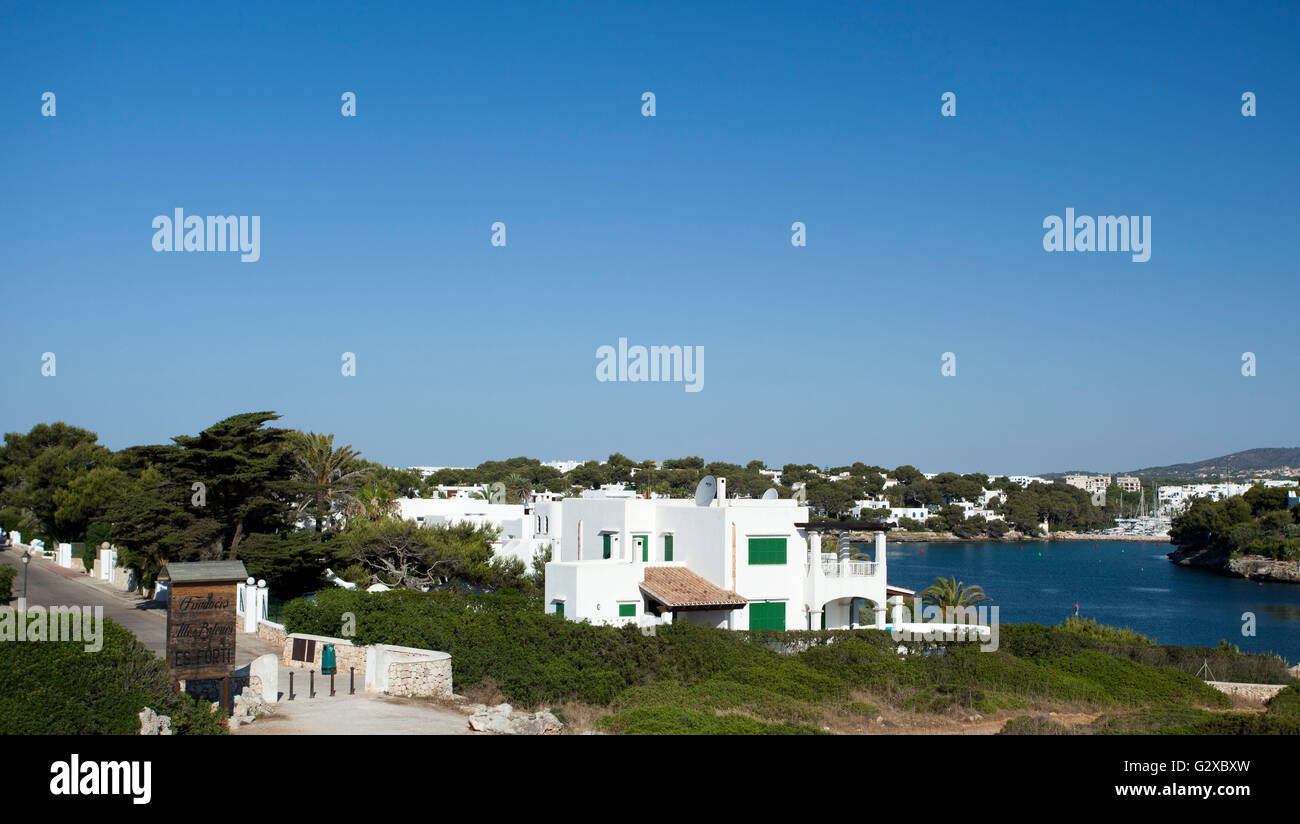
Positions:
(203, 571)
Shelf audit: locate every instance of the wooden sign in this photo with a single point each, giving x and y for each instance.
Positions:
(201, 618)
(201, 630)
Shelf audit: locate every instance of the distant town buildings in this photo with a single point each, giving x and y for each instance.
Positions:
(1026, 480)
(1091, 484)
(1129, 483)
(1174, 499)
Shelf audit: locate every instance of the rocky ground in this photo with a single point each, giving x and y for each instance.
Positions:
(1251, 567)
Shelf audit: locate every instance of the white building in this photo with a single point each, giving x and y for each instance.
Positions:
(1026, 480)
(1175, 499)
(735, 563)
(1089, 483)
(916, 513)
(524, 530)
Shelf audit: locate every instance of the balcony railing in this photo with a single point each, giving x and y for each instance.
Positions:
(831, 568)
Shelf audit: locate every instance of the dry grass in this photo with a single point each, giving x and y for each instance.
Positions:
(484, 692)
(579, 717)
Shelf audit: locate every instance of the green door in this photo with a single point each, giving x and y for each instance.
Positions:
(668, 547)
(605, 538)
(769, 615)
(559, 608)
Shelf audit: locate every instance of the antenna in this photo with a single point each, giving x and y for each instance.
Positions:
(771, 495)
(706, 491)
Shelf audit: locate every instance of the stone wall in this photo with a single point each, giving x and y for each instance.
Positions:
(271, 631)
(410, 672)
(346, 654)
(1254, 692)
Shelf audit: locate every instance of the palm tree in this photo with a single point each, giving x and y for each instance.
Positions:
(519, 487)
(372, 502)
(323, 476)
(948, 593)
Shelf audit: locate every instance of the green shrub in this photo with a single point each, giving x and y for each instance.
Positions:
(686, 677)
(59, 688)
(7, 574)
(1286, 704)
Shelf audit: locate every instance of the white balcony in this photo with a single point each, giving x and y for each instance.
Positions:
(832, 568)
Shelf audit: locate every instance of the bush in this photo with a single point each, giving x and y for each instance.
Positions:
(7, 574)
(59, 688)
(1286, 704)
(697, 679)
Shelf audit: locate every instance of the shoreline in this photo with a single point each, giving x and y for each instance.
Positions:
(1010, 538)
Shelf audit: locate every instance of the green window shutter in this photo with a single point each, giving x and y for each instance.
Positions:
(767, 616)
(559, 608)
(645, 546)
(605, 542)
(627, 610)
(668, 547)
(766, 551)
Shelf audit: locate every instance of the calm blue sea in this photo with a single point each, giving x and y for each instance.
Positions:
(1118, 583)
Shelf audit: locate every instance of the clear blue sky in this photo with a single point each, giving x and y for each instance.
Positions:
(924, 233)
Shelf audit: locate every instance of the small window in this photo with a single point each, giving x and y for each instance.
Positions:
(627, 610)
(668, 547)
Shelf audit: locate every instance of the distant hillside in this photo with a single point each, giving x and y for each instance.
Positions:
(1279, 462)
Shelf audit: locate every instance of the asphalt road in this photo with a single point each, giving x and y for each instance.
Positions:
(50, 585)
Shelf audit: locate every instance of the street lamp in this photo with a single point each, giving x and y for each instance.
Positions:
(27, 559)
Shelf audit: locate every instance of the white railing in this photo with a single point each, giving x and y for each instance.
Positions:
(831, 568)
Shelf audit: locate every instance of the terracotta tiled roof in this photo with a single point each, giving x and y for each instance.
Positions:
(678, 587)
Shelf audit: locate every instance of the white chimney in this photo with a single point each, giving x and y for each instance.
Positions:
(722, 489)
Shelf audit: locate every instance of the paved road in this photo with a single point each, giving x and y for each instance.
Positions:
(51, 585)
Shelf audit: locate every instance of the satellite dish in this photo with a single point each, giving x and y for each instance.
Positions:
(771, 495)
(706, 491)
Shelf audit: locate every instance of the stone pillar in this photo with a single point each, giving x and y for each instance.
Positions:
(880, 617)
(815, 552)
(815, 617)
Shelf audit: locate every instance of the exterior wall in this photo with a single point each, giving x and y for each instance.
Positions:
(1255, 692)
(408, 671)
(452, 510)
(346, 654)
(593, 591)
(766, 582)
(271, 631)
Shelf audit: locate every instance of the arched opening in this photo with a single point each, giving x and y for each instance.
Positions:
(854, 612)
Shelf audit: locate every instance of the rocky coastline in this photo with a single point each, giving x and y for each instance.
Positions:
(1250, 567)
